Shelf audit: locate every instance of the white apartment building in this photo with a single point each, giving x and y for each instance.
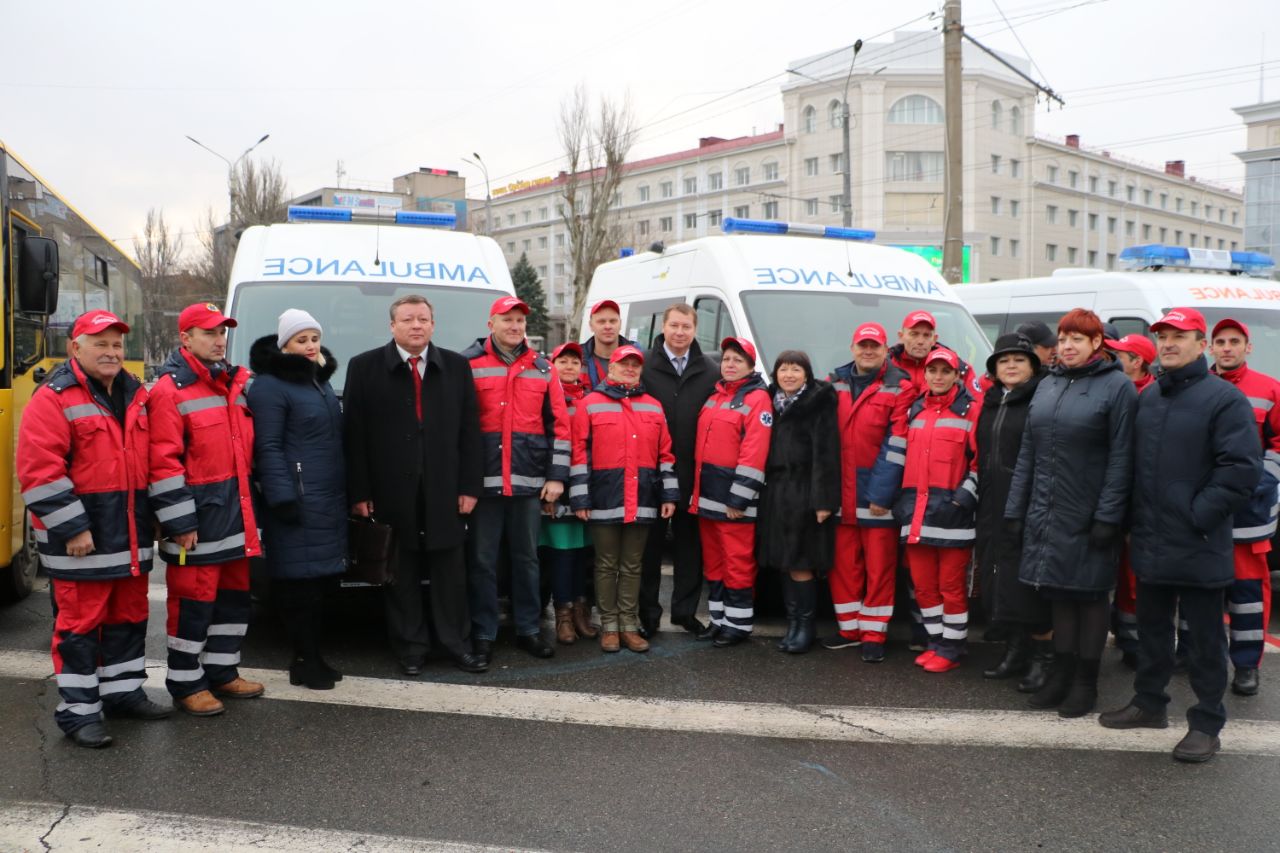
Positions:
(1031, 205)
(1262, 177)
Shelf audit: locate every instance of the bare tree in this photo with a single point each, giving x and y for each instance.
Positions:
(595, 142)
(159, 257)
(259, 196)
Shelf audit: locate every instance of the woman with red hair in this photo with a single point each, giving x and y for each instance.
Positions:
(1068, 501)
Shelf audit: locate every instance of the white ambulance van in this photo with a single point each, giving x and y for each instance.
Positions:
(781, 291)
(1156, 278)
(347, 270)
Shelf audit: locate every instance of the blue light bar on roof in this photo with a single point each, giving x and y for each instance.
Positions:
(1157, 256)
(732, 224)
(626, 252)
(311, 213)
(430, 220)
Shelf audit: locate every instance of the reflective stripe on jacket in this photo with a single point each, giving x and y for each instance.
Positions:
(524, 424)
(731, 448)
(1257, 521)
(201, 457)
(940, 479)
(78, 470)
(873, 442)
(623, 469)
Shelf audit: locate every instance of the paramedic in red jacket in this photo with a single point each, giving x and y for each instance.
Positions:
(730, 451)
(936, 507)
(622, 480)
(524, 428)
(916, 339)
(201, 453)
(874, 396)
(1249, 597)
(82, 467)
(1136, 354)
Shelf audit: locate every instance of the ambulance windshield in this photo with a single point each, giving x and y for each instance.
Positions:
(822, 324)
(354, 316)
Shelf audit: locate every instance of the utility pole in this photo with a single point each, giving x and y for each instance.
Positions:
(953, 216)
(847, 185)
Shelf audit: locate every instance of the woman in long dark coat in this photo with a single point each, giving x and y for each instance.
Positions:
(795, 533)
(1069, 500)
(1015, 371)
(298, 463)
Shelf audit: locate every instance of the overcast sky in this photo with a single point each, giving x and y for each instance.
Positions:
(98, 97)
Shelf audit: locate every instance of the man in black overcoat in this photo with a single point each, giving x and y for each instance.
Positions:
(414, 462)
(681, 378)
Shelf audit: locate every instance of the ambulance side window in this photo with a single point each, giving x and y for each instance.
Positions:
(714, 323)
(1131, 326)
(644, 321)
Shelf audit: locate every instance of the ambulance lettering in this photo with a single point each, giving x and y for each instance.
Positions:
(859, 281)
(344, 268)
(1252, 294)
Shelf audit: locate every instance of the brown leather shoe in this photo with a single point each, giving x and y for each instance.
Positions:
(202, 704)
(238, 688)
(634, 642)
(582, 619)
(609, 641)
(565, 634)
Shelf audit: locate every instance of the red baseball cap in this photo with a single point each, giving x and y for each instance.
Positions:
(602, 304)
(203, 315)
(1182, 319)
(944, 355)
(915, 318)
(567, 348)
(1139, 345)
(627, 351)
(871, 332)
(97, 322)
(748, 349)
(1228, 323)
(503, 304)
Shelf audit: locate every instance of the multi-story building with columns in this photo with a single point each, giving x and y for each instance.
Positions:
(1262, 176)
(1031, 204)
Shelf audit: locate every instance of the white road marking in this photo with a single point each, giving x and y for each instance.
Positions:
(905, 726)
(26, 826)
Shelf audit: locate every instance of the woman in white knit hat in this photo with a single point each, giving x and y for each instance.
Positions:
(299, 467)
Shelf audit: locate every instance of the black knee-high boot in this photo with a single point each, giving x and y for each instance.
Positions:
(789, 602)
(806, 598)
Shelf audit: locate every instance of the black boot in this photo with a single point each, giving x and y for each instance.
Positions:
(1017, 658)
(317, 627)
(1058, 684)
(789, 602)
(1083, 695)
(305, 667)
(806, 595)
(1041, 663)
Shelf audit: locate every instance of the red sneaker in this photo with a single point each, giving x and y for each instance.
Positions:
(940, 664)
(925, 657)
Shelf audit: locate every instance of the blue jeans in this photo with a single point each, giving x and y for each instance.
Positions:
(519, 521)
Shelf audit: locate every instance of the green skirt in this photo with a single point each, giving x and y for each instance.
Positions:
(563, 534)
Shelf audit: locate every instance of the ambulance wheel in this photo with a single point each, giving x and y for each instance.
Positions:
(18, 578)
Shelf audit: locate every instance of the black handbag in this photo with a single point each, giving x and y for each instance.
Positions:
(373, 550)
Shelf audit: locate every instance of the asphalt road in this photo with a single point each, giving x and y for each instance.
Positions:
(687, 747)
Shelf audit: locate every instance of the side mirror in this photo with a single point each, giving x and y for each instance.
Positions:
(38, 276)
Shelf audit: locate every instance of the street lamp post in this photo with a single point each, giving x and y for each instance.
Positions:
(231, 171)
(847, 183)
(488, 224)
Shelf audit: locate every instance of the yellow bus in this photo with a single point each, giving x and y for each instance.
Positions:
(54, 266)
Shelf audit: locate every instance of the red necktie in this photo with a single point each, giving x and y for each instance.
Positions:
(417, 385)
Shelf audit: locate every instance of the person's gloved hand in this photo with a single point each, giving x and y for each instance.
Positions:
(288, 512)
(1103, 535)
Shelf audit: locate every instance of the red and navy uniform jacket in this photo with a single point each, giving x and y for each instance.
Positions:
(80, 471)
(623, 468)
(940, 482)
(971, 381)
(730, 449)
(573, 395)
(201, 455)
(524, 424)
(873, 442)
(1257, 521)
